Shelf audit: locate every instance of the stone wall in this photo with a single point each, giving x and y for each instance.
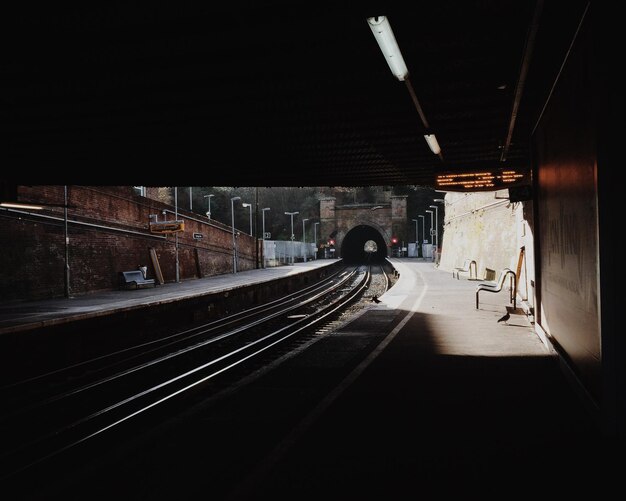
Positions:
(489, 229)
(389, 218)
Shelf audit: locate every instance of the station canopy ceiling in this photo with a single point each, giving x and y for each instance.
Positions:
(274, 93)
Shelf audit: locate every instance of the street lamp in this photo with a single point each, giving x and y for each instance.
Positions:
(249, 206)
(416, 238)
(315, 237)
(423, 238)
(304, 238)
(292, 235)
(441, 201)
(431, 225)
(232, 219)
(208, 212)
(176, 234)
(263, 227)
(436, 225)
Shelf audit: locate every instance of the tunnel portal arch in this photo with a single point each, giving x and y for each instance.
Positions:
(353, 245)
(383, 222)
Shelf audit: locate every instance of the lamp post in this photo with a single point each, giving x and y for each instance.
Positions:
(292, 235)
(208, 212)
(416, 238)
(176, 234)
(436, 225)
(67, 244)
(439, 200)
(263, 227)
(423, 238)
(315, 237)
(249, 206)
(304, 238)
(232, 219)
(431, 225)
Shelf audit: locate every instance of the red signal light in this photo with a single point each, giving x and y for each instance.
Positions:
(394, 240)
(331, 242)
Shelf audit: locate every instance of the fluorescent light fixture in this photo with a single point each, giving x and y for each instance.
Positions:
(432, 143)
(387, 42)
(17, 205)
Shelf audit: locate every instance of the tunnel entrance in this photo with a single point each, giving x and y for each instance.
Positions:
(363, 244)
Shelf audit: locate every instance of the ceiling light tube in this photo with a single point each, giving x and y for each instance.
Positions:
(387, 42)
(432, 143)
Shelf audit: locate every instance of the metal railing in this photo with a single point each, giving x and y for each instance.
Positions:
(283, 252)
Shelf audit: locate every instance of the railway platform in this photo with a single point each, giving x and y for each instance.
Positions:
(419, 396)
(16, 316)
(449, 404)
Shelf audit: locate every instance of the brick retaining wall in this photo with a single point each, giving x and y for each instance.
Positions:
(108, 233)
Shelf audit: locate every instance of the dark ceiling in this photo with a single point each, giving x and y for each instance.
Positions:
(271, 94)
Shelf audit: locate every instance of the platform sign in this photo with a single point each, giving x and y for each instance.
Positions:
(482, 180)
(198, 236)
(164, 227)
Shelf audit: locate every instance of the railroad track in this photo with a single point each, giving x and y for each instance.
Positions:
(54, 413)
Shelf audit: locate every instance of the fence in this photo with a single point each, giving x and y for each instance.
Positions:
(281, 252)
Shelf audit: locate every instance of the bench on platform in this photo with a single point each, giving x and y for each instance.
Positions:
(134, 279)
(497, 286)
(466, 268)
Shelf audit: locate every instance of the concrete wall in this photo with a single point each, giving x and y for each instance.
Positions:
(108, 232)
